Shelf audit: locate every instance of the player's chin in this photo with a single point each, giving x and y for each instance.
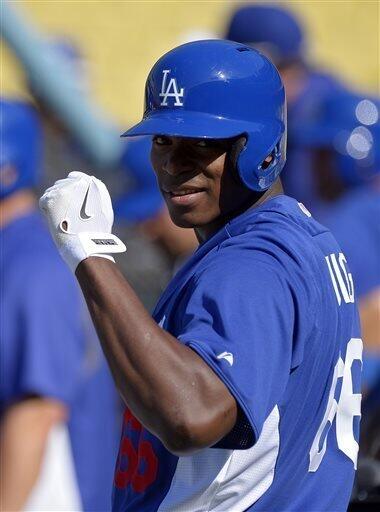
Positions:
(190, 217)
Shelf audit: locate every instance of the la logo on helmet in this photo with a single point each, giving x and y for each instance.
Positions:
(170, 90)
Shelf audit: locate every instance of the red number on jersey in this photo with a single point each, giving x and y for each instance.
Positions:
(131, 459)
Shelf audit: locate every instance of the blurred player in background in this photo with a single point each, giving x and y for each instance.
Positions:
(277, 33)
(57, 400)
(243, 391)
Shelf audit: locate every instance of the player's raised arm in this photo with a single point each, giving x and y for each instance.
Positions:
(169, 388)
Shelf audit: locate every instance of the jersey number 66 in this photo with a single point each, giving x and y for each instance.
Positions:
(341, 411)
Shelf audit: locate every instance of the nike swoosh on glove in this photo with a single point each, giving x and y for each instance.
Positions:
(80, 216)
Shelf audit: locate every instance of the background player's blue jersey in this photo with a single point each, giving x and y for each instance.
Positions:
(268, 302)
(358, 212)
(49, 348)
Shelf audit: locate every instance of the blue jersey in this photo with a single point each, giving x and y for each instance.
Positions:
(49, 348)
(268, 303)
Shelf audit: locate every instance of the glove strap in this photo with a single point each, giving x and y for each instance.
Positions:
(100, 243)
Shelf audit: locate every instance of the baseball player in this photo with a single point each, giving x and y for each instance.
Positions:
(243, 390)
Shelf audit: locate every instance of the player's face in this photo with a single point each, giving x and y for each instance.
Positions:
(198, 186)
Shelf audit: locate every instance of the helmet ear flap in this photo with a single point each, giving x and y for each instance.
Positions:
(233, 156)
(254, 171)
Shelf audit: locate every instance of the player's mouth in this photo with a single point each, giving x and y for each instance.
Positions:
(183, 196)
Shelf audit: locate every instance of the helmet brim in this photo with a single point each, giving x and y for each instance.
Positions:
(181, 123)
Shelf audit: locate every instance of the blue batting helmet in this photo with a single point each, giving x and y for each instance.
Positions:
(220, 89)
(21, 146)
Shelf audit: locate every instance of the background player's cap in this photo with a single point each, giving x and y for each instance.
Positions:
(21, 146)
(349, 125)
(274, 30)
(220, 89)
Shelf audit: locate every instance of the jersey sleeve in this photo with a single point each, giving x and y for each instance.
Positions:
(50, 333)
(239, 316)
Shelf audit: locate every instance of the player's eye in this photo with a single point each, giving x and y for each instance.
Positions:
(207, 143)
(211, 143)
(161, 140)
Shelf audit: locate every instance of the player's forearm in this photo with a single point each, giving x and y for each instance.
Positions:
(167, 386)
(23, 434)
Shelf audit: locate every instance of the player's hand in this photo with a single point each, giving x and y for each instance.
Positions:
(80, 216)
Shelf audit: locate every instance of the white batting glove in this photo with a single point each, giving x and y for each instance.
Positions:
(80, 216)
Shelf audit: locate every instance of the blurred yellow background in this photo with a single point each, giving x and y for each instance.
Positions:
(122, 39)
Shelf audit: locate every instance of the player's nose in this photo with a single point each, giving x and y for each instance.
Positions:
(177, 161)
